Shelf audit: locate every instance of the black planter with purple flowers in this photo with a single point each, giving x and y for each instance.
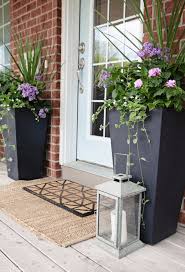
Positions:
(25, 140)
(163, 171)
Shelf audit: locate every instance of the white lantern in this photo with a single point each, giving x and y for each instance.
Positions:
(119, 216)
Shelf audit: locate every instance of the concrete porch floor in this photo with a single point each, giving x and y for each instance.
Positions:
(21, 250)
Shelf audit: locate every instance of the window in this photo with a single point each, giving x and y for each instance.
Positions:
(122, 16)
(4, 33)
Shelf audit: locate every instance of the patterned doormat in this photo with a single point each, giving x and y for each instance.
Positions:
(71, 196)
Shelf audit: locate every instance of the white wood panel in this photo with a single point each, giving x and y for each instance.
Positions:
(7, 265)
(22, 253)
(155, 261)
(177, 239)
(173, 251)
(181, 229)
(69, 259)
(94, 252)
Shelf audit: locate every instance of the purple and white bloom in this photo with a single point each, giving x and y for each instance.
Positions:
(28, 91)
(42, 113)
(138, 83)
(149, 51)
(154, 72)
(156, 52)
(103, 77)
(171, 83)
(141, 54)
(148, 46)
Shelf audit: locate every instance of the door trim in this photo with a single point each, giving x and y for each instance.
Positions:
(69, 81)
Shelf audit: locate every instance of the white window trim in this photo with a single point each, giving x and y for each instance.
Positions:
(69, 81)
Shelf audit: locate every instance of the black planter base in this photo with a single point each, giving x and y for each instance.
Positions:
(25, 145)
(164, 171)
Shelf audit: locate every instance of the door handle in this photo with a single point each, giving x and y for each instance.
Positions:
(81, 66)
(81, 86)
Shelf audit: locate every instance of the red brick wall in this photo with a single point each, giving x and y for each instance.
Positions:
(43, 18)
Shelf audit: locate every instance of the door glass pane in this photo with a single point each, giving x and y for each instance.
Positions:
(7, 34)
(1, 55)
(116, 10)
(132, 27)
(1, 16)
(1, 36)
(100, 44)
(6, 55)
(101, 7)
(107, 47)
(97, 125)
(6, 14)
(130, 10)
(117, 39)
(98, 92)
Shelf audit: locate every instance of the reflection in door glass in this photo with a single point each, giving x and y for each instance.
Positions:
(122, 16)
(97, 126)
(100, 43)
(99, 92)
(130, 10)
(117, 39)
(101, 7)
(116, 10)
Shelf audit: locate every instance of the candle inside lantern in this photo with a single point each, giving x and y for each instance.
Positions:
(123, 227)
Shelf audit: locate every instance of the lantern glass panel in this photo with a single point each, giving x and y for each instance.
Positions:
(107, 207)
(130, 212)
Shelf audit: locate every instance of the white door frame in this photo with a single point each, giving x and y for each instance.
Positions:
(69, 81)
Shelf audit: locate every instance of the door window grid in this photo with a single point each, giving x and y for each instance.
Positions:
(127, 17)
(4, 33)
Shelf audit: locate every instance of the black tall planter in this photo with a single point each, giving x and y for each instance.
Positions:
(164, 173)
(25, 144)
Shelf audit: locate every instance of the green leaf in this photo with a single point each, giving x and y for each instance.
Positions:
(114, 93)
(159, 92)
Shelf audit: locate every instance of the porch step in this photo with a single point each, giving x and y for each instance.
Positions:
(86, 173)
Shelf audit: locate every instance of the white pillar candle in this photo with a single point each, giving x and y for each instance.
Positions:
(123, 227)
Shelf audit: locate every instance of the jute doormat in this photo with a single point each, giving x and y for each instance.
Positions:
(44, 218)
(66, 194)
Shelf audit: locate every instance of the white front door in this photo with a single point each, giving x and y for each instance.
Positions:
(93, 142)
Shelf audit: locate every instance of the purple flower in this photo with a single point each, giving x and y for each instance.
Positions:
(156, 52)
(28, 91)
(149, 51)
(42, 113)
(103, 77)
(154, 72)
(138, 83)
(141, 54)
(148, 46)
(171, 83)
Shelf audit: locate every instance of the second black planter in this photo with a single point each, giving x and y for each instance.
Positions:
(163, 172)
(25, 141)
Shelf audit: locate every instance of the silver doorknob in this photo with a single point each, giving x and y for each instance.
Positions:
(81, 47)
(81, 63)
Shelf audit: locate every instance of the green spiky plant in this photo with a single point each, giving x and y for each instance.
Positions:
(164, 33)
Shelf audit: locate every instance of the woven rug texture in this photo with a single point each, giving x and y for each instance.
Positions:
(44, 218)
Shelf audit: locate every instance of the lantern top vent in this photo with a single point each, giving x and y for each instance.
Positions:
(127, 188)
